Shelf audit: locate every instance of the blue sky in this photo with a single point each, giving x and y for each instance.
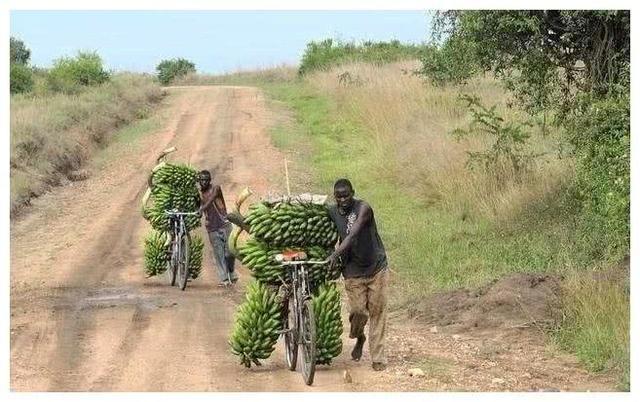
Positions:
(217, 41)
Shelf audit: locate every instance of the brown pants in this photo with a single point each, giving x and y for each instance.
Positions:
(368, 299)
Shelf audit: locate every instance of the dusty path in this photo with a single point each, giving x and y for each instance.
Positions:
(84, 317)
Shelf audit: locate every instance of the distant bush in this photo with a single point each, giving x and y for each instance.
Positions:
(70, 74)
(169, 70)
(329, 52)
(21, 79)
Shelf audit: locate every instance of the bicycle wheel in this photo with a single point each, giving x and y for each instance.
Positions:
(308, 328)
(183, 262)
(173, 264)
(291, 337)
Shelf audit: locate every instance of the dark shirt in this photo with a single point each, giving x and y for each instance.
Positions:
(215, 218)
(366, 256)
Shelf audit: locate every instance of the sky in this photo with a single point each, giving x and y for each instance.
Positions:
(216, 41)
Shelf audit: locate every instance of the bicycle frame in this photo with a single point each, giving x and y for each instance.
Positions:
(299, 332)
(178, 232)
(300, 285)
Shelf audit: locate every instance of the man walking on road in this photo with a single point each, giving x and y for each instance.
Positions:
(365, 270)
(218, 227)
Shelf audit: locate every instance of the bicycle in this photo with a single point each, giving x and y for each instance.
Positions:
(178, 264)
(299, 330)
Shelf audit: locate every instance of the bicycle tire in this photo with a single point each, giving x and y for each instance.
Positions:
(291, 338)
(173, 269)
(184, 261)
(308, 345)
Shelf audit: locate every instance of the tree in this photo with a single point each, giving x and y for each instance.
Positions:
(70, 74)
(546, 57)
(18, 52)
(21, 78)
(169, 70)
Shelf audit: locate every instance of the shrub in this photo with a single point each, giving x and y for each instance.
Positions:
(169, 70)
(21, 78)
(18, 52)
(509, 144)
(70, 74)
(329, 52)
(453, 62)
(600, 130)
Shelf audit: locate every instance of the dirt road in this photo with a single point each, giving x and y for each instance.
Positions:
(84, 317)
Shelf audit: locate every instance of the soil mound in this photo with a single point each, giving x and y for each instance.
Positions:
(516, 301)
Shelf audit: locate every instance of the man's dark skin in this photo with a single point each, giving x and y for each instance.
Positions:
(344, 199)
(205, 184)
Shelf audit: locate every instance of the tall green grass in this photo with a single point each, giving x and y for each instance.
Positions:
(596, 324)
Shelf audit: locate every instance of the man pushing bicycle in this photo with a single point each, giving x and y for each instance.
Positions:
(218, 227)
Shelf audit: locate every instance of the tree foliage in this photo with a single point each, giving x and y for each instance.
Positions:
(546, 57)
(320, 55)
(18, 52)
(169, 70)
(71, 74)
(20, 78)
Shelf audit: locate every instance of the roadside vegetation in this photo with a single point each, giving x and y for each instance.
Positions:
(482, 156)
(170, 70)
(60, 116)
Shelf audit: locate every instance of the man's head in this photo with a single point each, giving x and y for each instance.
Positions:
(343, 193)
(204, 179)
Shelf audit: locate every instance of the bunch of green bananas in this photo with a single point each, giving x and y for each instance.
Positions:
(173, 187)
(257, 325)
(260, 259)
(291, 224)
(319, 274)
(195, 256)
(326, 306)
(175, 175)
(155, 253)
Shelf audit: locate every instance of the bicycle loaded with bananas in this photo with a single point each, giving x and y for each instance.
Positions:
(170, 205)
(294, 293)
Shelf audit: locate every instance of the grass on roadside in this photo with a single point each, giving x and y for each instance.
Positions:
(597, 321)
(54, 135)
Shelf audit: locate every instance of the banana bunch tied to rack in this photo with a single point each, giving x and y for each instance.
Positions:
(260, 259)
(291, 224)
(322, 273)
(326, 306)
(155, 253)
(195, 256)
(173, 186)
(257, 325)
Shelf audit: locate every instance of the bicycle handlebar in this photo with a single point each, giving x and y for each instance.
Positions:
(177, 213)
(309, 262)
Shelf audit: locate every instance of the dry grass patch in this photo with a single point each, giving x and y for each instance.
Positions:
(53, 135)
